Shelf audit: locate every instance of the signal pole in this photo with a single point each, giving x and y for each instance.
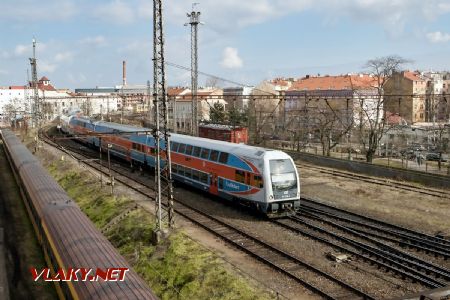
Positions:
(194, 18)
(163, 169)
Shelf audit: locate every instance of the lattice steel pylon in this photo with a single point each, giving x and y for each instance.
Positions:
(163, 168)
(194, 18)
(35, 111)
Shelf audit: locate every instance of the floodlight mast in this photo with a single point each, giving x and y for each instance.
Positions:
(194, 20)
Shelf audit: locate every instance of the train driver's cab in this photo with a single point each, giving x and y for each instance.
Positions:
(283, 176)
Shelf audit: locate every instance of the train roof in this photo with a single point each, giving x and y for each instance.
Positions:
(240, 149)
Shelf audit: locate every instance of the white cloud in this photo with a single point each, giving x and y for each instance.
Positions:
(77, 78)
(21, 50)
(27, 11)
(96, 41)
(116, 11)
(63, 56)
(225, 16)
(438, 37)
(46, 67)
(231, 59)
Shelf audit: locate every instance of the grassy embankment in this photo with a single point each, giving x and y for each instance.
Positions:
(177, 269)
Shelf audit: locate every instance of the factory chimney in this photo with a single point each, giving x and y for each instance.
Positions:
(124, 73)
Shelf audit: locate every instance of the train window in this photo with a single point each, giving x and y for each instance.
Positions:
(220, 183)
(203, 177)
(223, 157)
(197, 151)
(247, 178)
(134, 146)
(205, 153)
(240, 176)
(188, 172)
(182, 148)
(214, 155)
(174, 147)
(181, 170)
(188, 149)
(195, 175)
(258, 181)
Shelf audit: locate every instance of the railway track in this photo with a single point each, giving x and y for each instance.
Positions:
(435, 245)
(378, 181)
(302, 272)
(361, 251)
(389, 259)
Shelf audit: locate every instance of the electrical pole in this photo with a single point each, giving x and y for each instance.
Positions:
(36, 106)
(194, 18)
(163, 169)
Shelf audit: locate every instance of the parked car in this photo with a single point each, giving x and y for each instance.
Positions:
(436, 157)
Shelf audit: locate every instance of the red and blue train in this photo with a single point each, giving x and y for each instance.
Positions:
(262, 178)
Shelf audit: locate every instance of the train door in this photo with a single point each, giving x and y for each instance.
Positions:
(213, 189)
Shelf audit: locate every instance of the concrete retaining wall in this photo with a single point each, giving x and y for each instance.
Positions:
(428, 179)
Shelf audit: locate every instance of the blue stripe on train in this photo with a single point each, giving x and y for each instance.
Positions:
(233, 186)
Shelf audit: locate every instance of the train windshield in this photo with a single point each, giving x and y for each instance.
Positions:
(282, 173)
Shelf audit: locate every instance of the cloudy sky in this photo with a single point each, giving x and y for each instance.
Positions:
(82, 43)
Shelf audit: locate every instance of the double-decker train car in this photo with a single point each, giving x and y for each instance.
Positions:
(68, 238)
(262, 178)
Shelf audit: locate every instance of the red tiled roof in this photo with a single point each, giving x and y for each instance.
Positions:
(175, 91)
(17, 87)
(414, 76)
(363, 81)
(395, 119)
(202, 94)
(341, 82)
(47, 87)
(44, 79)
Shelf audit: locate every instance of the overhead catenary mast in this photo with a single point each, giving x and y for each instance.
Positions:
(194, 18)
(35, 111)
(163, 169)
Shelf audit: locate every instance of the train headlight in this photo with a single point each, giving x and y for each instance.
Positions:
(271, 197)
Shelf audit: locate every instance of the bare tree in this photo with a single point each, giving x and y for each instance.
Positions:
(212, 81)
(332, 125)
(374, 116)
(442, 132)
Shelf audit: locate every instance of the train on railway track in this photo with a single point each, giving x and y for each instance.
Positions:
(68, 238)
(266, 180)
